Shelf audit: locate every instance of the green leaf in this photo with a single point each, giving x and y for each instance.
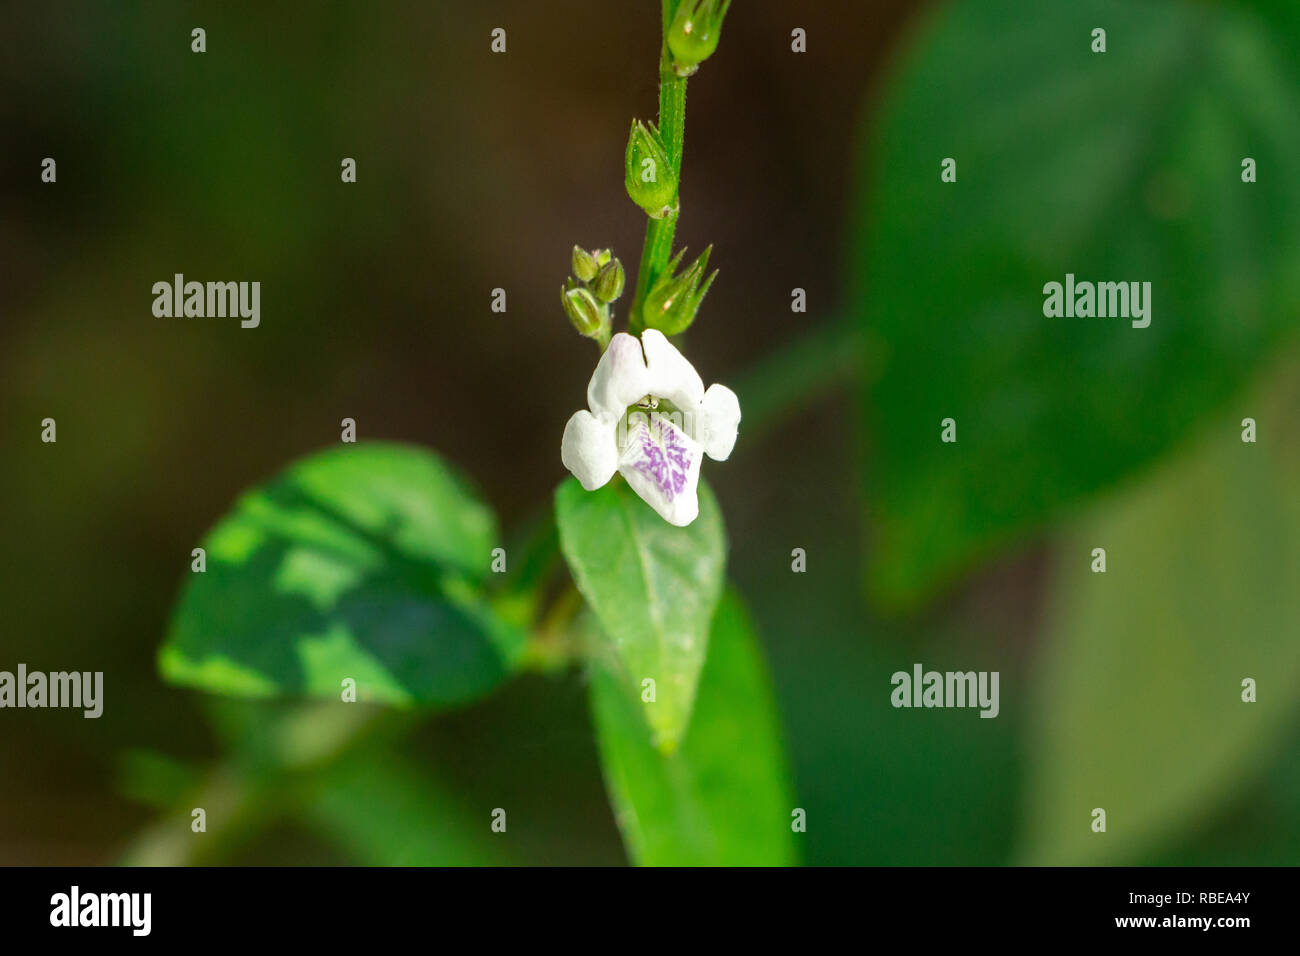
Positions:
(724, 797)
(652, 586)
(1115, 166)
(386, 812)
(153, 778)
(1140, 709)
(363, 562)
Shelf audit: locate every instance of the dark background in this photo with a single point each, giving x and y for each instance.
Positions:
(475, 171)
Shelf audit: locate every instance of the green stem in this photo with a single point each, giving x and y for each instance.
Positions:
(655, 254)
(242, 798)
(672, 110)
(552, 646)
(658, 248)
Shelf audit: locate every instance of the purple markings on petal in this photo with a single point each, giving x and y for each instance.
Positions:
(662, 456)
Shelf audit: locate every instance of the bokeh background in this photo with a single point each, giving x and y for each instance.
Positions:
(478, 171)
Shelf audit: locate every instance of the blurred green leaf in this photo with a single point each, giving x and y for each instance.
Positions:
(1258, 828)
(155, 779)
(652, 586)
(1282, 15)
(724, 797)
(1140, 710)
(1122, 166)
(385, 812)
(363, 562)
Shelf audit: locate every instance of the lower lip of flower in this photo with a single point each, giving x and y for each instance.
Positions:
(656, 449)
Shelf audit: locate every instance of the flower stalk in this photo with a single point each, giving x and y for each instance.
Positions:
(658, 247)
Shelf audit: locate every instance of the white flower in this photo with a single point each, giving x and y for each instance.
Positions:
(658, 444)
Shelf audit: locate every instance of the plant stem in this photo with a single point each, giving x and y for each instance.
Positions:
(658, 248)
(552, 647)
(242, 800)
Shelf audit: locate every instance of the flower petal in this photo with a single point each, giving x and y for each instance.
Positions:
(718, 420)
(671, 375)
(620, 378)
(662, 464)
(589, 449)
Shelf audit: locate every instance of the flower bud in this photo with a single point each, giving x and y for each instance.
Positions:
(587, 315)
(585, 265)
(609, 281)
(649, 176)
(673, 301)
(693, 34)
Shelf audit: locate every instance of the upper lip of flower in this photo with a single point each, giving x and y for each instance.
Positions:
(628, 371)
(631, 369)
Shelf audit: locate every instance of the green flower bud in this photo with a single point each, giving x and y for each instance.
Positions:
(602, 256)
(585, 265)
(587, 315)
(693, 34)
(609, 281)
(649, 176)
(673, 301)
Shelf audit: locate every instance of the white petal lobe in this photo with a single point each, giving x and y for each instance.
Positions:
(589, 450)
(620, 378)
(671, 375)
(719, 420)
